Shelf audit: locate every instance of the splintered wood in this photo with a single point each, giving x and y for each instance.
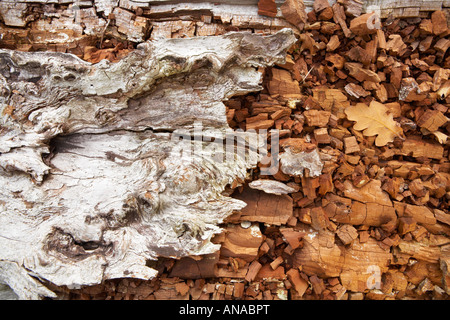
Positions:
(357, 203)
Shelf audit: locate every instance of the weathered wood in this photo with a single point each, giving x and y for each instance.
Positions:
(282, 83)
(299, 284)
(322, 257)
(112, 193)
(267, 8)
(294, 12)
(347, 234)
(342, 214)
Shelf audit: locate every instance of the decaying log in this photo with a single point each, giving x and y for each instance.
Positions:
(100, 198)
(93, 183)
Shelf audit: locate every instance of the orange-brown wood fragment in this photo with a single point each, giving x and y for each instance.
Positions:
(253, 270)
(276, 263)
(347, 233)
(266, 273)
(351, 145)
(333, 43)
(439, 22)
(294, 12)
(416, 147)
(299, 283)
(267, 8)
(189, 268)
(317, 118)
(293, 238)
(264, 207)
(282, 83)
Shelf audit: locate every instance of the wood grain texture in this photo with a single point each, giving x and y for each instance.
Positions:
(95, 180)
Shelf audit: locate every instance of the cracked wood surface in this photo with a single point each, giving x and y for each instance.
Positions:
(94, 185)
(371, 217)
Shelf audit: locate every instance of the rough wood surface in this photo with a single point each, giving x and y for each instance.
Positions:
(328, 212)
(103, 189)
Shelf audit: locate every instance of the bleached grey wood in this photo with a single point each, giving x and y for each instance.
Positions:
(295, 163)
(271, 186)
(95, 176)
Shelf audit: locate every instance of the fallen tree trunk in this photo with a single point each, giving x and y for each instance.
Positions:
(94, 184)
(117, 180)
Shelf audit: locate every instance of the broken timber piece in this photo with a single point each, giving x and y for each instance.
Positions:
(105, 193)
(271, 186)
(321, 256)
(351, 145)
(347, 233)
(368, 212)
(265, 207)
(241, 242)
(439, 22)
(297, 281)
(294, 12)
(267, 8)
(282, 83)
(365, 24)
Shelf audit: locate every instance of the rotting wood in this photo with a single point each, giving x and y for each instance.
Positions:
(68, 110)
(308, 227)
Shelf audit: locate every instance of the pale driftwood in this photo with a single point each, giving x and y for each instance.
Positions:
(295, 163)
(95, 180)
(271, 186)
